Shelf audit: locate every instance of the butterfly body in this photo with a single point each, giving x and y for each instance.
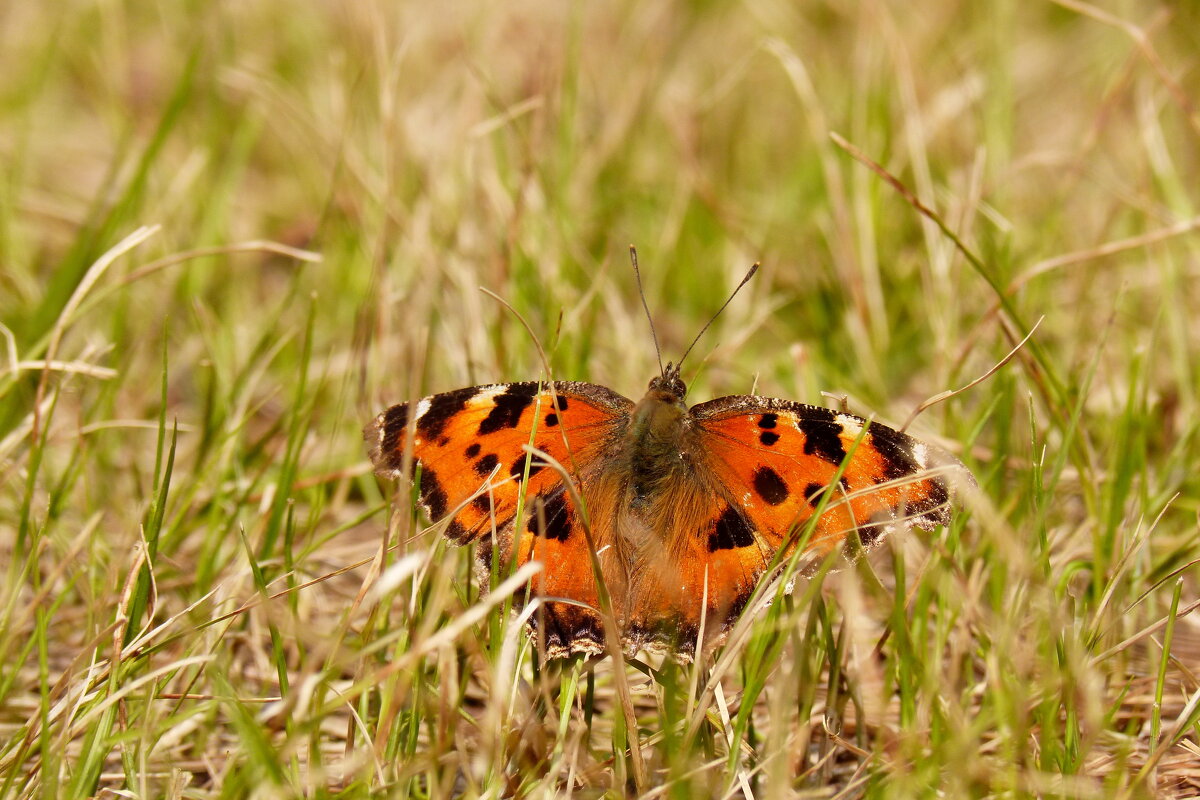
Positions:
(656, 446)
(684, 508)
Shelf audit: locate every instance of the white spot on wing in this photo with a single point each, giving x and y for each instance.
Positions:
(850, 425)
(422, 407)
(920, 454)
(488, 392)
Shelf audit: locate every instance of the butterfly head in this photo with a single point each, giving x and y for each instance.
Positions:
(668, 387)
(669, 384)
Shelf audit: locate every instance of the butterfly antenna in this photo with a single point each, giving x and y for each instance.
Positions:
(653, 334)
(745, 280)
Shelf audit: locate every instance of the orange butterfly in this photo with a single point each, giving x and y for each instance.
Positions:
(686, 507)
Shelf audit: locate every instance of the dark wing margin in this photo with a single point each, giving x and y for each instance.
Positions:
(385, 434)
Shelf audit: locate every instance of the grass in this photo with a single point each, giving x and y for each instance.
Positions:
(231, 233)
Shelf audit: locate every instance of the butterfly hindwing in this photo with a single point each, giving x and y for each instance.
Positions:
(470, 443)
(552, 533)
(703, 577)
(780, 458)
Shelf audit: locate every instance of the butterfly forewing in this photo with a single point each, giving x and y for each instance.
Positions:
(781, 459)
(470, 443)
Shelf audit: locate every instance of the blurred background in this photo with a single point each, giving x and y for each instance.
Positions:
(326, 187)
(426, 152)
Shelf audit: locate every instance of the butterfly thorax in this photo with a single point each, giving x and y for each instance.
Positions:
(654, 443)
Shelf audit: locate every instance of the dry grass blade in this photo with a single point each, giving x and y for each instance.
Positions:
(224, 250)
(89, 280)
(946, 395)
(1141, 38)
(469, 617)
(1143, 633)
(1102, 250)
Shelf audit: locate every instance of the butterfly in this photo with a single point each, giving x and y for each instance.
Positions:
(683, 508)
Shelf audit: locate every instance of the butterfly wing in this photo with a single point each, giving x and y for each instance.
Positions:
(779, 458)
(469, 445)
(696, 569)
(467, 439)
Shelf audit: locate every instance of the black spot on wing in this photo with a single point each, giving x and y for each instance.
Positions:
(473, 450)
(485, 465)
(387, 438)
(896, 453)
(768, 420)
(483, 551)
(556, 515)
(396, 417)
(483, 504)
(518, 468)
(822, 435)
(730, 531)
(768, 438)
(936, 502)
(564, 627)
(926, 503)
(551, 419)
(441, 408)
(812, 493)
(456, 533)
(926, 498)
(433, 495)
(873, 532)
(392, 428)
(561, 403)
(670, 629)
(770, 486)
(509, 405)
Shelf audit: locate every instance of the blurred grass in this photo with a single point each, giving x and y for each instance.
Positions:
(192, 604)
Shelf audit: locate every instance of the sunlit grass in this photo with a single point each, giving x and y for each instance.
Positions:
(231, 234)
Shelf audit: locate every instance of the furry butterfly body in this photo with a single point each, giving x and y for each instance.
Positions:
(686, 507)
